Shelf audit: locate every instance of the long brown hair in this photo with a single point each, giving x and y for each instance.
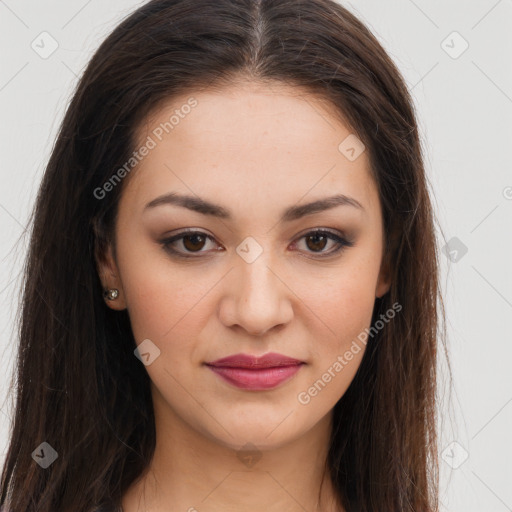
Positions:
(78, 385)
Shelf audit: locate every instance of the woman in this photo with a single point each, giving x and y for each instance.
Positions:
(231, 289)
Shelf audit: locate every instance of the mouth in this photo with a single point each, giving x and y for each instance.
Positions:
(256, 373)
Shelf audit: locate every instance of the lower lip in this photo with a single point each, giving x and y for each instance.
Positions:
(264, 378)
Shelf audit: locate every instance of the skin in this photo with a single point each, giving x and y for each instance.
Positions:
(254, 149)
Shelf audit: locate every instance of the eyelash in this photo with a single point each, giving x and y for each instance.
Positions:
(342, 242)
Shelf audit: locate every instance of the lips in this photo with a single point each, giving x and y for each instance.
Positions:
(270, 360)
(256, 373)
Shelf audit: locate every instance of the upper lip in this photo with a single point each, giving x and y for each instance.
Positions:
(270, 360)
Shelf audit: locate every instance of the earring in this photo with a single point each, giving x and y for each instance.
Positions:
(111, 294)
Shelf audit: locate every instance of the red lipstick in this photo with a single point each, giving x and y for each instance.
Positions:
(256, 373)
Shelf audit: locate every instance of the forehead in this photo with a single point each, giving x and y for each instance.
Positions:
(248, 141)
(246, 116)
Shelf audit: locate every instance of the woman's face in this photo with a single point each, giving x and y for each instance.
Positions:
(258, 167)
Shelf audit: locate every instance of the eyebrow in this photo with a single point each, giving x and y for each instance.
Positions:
(291, 213)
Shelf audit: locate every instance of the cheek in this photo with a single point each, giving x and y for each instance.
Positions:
(341, 304)
(337, 358)
(163, 302)
(343, 313)
(162, 309)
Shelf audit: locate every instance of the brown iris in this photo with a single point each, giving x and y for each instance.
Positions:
(319, 241)
(191, 242)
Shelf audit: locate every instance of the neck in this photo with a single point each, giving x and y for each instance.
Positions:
(192, 472)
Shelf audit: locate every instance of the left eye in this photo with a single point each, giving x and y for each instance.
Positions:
(194, 241)
(317, 240)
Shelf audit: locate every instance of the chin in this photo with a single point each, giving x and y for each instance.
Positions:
(267, 435)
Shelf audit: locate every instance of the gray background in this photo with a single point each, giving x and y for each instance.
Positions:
(464, 104)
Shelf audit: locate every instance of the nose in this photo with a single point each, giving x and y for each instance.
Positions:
(255, 298)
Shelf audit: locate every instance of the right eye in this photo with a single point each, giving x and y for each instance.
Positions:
(191, 241)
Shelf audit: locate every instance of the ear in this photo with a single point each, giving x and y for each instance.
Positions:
(384, 279)
(386, 269)
(108, 271)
